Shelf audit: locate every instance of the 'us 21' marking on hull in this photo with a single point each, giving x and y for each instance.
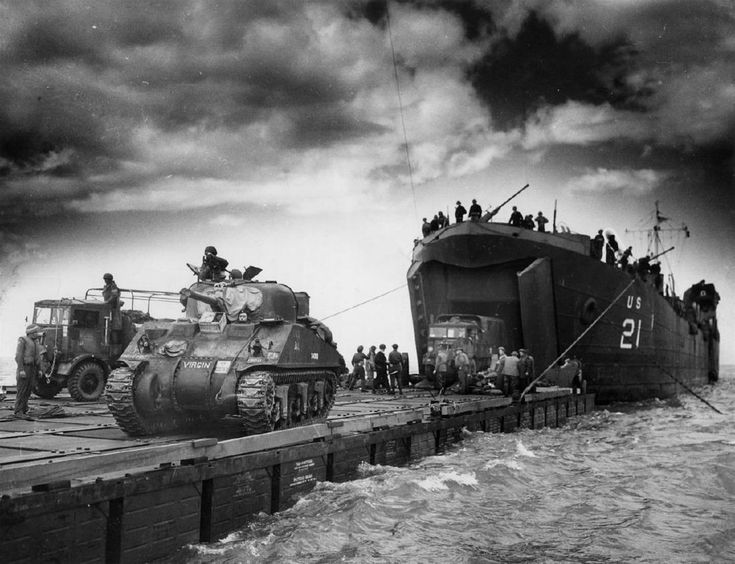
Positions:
(630, 328)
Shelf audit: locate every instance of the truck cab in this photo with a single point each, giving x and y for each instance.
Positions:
(478, 336)
(81, 344)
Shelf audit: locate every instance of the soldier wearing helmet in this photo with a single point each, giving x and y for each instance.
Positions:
(28, 358)
(212, 266)
(111, 296)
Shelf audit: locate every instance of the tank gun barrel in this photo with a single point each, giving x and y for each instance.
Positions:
(217, 304)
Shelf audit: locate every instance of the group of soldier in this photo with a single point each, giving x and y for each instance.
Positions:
(375, 371)
(475, 214)
(514, 372)
(606, 245)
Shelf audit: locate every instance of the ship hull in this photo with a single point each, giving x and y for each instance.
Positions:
(550, 293)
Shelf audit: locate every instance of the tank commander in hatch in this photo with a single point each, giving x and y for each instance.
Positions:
(212, 266)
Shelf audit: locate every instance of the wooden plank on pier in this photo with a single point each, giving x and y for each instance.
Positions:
(473, 406)
(547, 393)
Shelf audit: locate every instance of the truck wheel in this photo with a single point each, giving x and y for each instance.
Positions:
(46, 390)
(87, 382)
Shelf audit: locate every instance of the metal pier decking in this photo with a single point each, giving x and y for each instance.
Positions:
(75, 488)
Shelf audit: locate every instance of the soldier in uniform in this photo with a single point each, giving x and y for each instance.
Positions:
(459, 212)
(212, 266)
(516, 218)
(358, 369)
(541, 222)
(598, 243)
(611, 249)
(425, 228)
(370, 369)
(462, 362)
(475, 211)
(111, 296)
(28, 358)
(511, 374)
(395, 360)
(526, 369)
(381, 370)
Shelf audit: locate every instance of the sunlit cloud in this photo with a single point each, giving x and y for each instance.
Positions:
(623, 182)
(576, 123)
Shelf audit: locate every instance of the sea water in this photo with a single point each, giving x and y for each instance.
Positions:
(649, 482)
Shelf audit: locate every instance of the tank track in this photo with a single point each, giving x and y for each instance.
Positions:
(256, 394)
(120, 397)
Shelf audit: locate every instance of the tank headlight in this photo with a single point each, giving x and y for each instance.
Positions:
(430, 349)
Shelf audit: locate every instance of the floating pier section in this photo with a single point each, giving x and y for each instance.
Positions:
(77, 489)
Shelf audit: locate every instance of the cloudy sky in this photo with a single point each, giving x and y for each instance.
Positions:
(310, 138)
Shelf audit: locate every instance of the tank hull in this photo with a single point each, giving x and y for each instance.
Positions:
(548, 290)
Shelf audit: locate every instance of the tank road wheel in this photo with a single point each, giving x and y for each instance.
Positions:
(87, 382)
(46, 390)
(256, 402)
(311, 394)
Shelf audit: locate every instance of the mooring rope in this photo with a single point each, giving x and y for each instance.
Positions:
(365, 302)
(562, 355)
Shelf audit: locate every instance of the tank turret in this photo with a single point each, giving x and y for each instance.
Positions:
(245, 349)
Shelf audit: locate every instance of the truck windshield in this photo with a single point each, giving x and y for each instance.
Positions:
(447, 332)
(51, 315)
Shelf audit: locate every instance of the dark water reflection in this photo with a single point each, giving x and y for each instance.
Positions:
(654, 482)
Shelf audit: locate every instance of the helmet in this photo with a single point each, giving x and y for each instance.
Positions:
(32, 328)
(210, 249)
(107, 276)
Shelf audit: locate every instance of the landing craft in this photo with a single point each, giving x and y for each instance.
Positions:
(635, 339)
(245, 349)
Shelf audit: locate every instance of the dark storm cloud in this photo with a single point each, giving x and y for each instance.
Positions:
(85, 80)
(536, 68)
(104, 97)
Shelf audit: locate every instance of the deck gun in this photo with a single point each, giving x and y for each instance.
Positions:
(490, 214)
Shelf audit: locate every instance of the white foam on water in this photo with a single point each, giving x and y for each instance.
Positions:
(439, 482)
(522, 450)
(508, 462)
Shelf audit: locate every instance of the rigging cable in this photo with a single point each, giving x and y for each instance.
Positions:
(612, 303)
(400, 108)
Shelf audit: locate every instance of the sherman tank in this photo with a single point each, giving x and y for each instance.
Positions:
(246, 349)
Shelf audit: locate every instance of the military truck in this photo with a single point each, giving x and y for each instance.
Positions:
(80, 345)
(478, 336)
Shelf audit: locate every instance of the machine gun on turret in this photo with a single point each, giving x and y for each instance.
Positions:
(490, 214)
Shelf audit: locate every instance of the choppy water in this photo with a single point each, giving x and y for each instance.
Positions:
(648, 483)
(652, 482)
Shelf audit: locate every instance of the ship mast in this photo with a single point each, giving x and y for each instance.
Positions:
(655, 244)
